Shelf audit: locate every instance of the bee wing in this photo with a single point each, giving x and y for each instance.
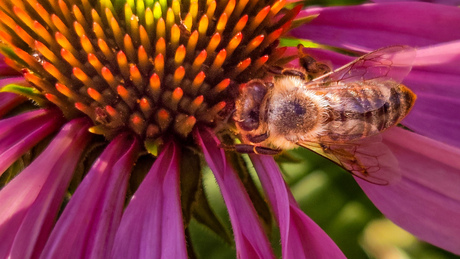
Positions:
(389, 63)
(368, 159)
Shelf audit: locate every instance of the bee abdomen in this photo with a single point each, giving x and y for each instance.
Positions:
(400, 103)
(365, 110)
(390, 112)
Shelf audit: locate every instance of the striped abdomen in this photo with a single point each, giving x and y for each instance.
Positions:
(364, 109)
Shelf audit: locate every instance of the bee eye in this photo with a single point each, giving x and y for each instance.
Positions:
(256, 89)
(250, 122)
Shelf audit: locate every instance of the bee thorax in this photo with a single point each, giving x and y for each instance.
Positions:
(248, 105)
(293, 115)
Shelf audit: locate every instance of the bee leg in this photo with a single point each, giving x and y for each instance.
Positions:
(266, 151)
(252, 149)
(347, 159)
(324, 147)
(296, 73)
(277, 70)
(313, 68)
(257, 138)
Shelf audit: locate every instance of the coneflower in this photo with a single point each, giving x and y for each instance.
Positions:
(151, 68)
(143, 75)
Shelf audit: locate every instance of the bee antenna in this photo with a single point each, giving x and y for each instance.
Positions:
(230, 114)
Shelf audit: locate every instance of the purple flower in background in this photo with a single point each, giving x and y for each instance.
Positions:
(126, 99)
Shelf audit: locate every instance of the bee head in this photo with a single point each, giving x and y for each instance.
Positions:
(248, 104)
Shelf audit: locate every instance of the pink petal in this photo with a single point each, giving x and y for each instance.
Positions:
(435, 78)
(31, 201)
(9, 100)
(96, 207)
(13, 80)
(300, 236)
(250, 239)
(426, 201)
(152, 225)
(20, 133)
(372, 26)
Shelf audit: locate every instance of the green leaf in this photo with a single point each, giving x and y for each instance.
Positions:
(203, 213)
(190, 181)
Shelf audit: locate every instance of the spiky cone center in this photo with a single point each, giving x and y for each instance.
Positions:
(155, 68)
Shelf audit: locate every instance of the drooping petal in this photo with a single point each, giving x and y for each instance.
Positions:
(20, 133)
(12, 80)
(152, 225)
(435, 79)
(300, 236)
(372, 26)
(250, 239)
(9, 100)
(96, 207)
(31, 201)
(426, 201)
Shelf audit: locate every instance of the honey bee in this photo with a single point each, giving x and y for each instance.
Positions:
(339, 114)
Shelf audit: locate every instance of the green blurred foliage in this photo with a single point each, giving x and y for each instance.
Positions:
(332, 198)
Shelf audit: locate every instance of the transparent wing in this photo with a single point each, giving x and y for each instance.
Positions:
(368, 159)
(357, 98)
(387, 64)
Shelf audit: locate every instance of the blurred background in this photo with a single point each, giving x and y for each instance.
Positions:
(332, 198)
